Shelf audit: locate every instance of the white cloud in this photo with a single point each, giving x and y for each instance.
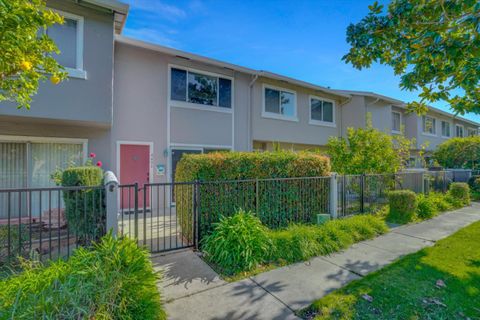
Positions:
(159, 8)
(152, 35)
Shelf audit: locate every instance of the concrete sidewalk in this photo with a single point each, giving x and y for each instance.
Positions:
(192, 290)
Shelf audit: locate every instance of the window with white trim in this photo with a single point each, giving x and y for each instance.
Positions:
(429, 125)
(199, 88)
(396, 121)
(446, 129)
(459, 131)
(471, 132)
(69, 40)
(322, 111)
(280, 103)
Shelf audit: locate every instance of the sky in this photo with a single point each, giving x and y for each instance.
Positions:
(302, 39)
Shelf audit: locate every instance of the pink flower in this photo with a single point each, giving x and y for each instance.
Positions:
(99, 163)
(92, 155)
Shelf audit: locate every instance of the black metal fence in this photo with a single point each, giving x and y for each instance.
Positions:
(149, 214)
(367, 193)
(49, 223)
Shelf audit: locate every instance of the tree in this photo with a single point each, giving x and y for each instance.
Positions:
(26, 51)
(459, 153)
(433, 44)
(367, 150)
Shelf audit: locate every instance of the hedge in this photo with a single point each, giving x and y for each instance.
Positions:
(276, 203)
(403, 206)
(84, 208)
(114, 280)
(461, 192)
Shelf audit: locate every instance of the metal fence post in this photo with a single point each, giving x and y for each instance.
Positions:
(362, 193)
(195, 214)
(333, 196)
(135, 214)
(424, 181)
(111, 187)
(257, 204)
(444, 189)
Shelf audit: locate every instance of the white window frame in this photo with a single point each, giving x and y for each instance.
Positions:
(463, 131)
(449, 129)
(79, 71)
(314, 122)
(277, 116)
(475, 132)
(197, 106)
(434, 134)
(393, 130)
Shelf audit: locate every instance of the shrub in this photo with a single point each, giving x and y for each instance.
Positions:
(18, 240)
(114, 280)
(237, 243)
(460, 192)
(459, 153)
(474, 183)
(426, 208)
(278, 202)
(298, 243)
(403, 205)
(83, 208)
(440, 200)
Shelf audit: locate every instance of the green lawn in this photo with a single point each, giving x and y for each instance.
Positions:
(440, 282)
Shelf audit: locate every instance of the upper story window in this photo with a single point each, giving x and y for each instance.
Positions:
(471, 132)
(446, 129)
(200, 88)
(396, 121)
(429, 125)
(459, 131)
(69, 39)
(279, 103)
(322, 111)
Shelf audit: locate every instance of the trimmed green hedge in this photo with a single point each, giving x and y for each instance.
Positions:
(279, 202)
(461, 192)
(403, 206)
(84, 208)
(114, 280)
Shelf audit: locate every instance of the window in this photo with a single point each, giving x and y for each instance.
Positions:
(459, 131)
(446, 129)
(31, 164)
(279, 103)
(69, 39)
(471, 132)
(396, 121)
(429, 125)
(322, 111)
(201, 89)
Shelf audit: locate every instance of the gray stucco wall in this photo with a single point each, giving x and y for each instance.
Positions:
(353, 114)
(141, 107)
(274, 130)
(87, 100)
(98, 137)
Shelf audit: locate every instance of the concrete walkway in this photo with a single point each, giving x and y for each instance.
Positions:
(192, 290)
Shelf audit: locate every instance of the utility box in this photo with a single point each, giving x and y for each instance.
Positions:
(322, 218)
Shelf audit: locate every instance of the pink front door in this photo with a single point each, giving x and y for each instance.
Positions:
(134, 168)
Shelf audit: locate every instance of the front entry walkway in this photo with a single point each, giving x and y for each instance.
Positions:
(192, 290)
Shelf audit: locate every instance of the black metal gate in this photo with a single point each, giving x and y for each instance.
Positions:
(148, 214)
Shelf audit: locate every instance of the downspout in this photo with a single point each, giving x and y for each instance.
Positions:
(250, 111)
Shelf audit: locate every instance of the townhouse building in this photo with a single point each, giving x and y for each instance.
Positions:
(139, 107)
